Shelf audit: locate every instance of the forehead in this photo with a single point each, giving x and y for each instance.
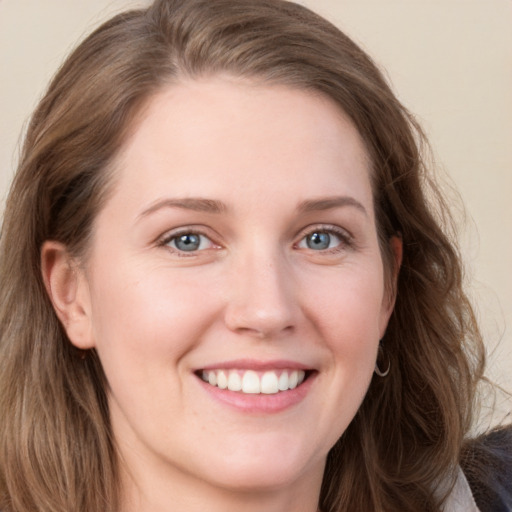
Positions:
(219, 136)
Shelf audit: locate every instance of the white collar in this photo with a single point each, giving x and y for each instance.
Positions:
(460, 499)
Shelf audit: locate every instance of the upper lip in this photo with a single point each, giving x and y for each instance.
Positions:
(257, 365)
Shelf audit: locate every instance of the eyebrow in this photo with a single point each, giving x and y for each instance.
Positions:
(214, 206)
(328, 203)
(188, 203)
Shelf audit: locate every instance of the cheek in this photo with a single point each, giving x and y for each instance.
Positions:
(349, 317)
(148, 313)
(349, 308)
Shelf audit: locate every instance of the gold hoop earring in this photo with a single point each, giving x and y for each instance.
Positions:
(377, 370)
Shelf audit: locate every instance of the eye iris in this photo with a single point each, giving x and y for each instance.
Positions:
(318, 241)
(188, 242)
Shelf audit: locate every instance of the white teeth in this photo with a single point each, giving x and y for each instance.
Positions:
(282, 384)
(294, 378)
(251, 382)
(234, 381)
(269, 383)
(222, 380)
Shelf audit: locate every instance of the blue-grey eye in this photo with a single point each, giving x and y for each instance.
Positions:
(318, 241)
(188, 242)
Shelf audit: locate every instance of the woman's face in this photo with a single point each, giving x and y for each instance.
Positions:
(238, 250)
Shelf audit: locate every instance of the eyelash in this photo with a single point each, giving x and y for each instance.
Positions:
(346, 239)
(167, 239)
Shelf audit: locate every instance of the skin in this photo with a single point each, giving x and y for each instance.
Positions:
(254, 290)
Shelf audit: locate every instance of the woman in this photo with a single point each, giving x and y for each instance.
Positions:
(223, 286)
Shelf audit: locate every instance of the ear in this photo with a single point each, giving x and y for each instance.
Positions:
(396, 246)
(68, 290)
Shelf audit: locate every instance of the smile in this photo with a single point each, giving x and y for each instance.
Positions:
(253, 382)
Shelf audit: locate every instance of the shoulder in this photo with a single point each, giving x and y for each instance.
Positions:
(487, 464)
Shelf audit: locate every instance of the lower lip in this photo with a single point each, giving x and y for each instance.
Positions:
(260, 403)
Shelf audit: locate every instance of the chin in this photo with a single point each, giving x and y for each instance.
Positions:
(267, 470)
(252, 479)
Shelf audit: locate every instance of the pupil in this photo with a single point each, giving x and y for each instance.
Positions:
(319, 241)
(188, 242)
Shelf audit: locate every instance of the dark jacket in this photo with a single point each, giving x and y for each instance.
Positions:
(487, 464)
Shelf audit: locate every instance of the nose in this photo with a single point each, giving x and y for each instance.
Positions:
(262, 301)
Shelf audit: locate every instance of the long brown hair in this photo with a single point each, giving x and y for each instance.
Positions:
(56, 448)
